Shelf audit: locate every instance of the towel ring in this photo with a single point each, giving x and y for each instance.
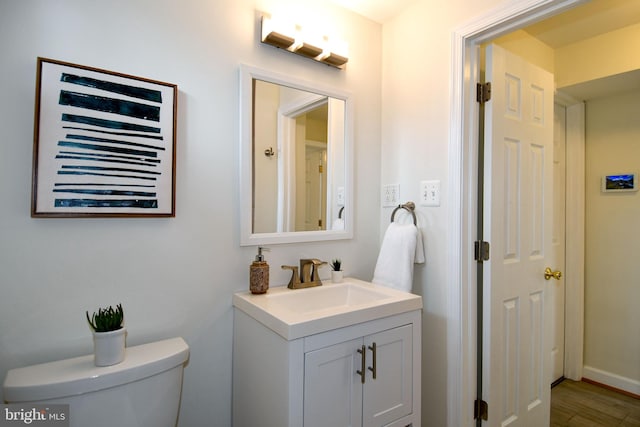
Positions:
(340, 212)
(409, 207)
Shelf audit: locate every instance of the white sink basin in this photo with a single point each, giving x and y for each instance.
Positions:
(324, 298)
(294, 313)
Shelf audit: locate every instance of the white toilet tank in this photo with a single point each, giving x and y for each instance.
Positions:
(142, 391)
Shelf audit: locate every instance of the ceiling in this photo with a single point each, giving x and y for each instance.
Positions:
(606, 86)
(583, 22)
(586, 21)
(379, 11)
(589, 20)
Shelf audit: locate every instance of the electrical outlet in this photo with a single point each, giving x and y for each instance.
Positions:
(430, 193)
(390, 195)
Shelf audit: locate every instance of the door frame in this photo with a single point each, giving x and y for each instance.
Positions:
(463, 170)
(286, 139)
(574, 235)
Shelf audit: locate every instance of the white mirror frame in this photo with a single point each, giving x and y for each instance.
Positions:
(247, 237)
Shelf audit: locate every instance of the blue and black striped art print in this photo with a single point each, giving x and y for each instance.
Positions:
(105, 143)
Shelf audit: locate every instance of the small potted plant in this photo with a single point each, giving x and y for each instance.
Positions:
(336, 270)
(108, 335)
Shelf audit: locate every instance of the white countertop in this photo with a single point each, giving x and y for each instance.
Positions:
(295, 313)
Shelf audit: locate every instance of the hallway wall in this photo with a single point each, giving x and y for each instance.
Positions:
(612, 338)
(416, 103)
(608, 54)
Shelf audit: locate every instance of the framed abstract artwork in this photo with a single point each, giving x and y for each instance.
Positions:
(104, 143)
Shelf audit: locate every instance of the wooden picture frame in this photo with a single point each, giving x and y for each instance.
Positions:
(104, 143)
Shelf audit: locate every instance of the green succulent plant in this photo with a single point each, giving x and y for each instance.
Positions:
(106, 319)
(336, 264)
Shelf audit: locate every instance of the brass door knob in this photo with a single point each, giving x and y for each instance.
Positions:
(548, 274)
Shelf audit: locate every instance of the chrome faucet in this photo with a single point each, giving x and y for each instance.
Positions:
(309, 275)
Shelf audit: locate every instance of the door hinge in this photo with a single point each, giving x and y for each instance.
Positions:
(483, 92)
(480, 410)
(481, 249)
(320, 169)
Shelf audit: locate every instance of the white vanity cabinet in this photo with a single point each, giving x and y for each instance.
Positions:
(340, 388)
(327, 379)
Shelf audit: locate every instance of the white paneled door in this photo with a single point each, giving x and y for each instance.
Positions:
(518, 194)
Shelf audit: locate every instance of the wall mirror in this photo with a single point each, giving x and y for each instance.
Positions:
(295, 160)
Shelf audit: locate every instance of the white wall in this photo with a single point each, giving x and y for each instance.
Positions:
(612, 340)
(173, 276)
(415, 115)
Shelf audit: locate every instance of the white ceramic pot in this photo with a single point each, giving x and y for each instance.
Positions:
(109, 347)
(337, 276)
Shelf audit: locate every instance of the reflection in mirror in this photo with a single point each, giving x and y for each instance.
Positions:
(295, 150)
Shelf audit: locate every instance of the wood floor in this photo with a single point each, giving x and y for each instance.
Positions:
(577, 403)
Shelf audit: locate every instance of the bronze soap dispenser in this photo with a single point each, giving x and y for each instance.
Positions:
(259, 273)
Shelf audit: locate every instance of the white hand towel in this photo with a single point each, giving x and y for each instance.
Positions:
(401, 248)
(419, 248)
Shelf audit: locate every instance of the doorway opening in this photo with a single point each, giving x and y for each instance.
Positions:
(464, 131)
(466, 52)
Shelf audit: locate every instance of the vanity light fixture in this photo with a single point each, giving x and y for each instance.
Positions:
(335, 55)
(308, 50)
(292, 39)
(277, 33)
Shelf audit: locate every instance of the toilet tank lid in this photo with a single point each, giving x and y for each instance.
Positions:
(79, 375)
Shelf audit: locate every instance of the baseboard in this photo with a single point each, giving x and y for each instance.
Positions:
(613, 381)
(558, 381)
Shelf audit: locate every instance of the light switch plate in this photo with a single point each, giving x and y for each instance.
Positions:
(340, 196)
(430, 193)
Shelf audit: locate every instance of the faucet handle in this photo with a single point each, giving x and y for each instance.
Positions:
(316, 266)
(295, 278)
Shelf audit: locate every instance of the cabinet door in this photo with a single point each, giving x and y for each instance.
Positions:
(332, 388)
(389, 396)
